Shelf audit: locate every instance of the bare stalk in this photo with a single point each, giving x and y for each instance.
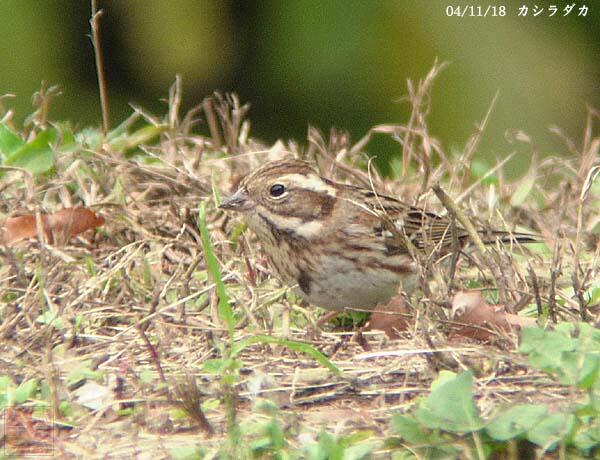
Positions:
(95, 27)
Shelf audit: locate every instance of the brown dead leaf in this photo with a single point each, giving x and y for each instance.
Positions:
(391, 317)
(483, 321)
(58, 227)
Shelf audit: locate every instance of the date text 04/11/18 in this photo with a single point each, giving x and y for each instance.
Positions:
(476, 11)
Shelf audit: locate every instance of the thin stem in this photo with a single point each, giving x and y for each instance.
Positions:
(95, 26)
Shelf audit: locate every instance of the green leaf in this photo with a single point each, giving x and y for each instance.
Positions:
(65, 409)
(329, 446)
(90, 266)
(451, 407)
(395, 166)
(570, 352)
(51, 319)
(260, 445)
(45, 391)
(587, 437)
(592, 295)
(276, 434)
(237, 231)
(146, 377)
(129, 141)
(551, 430)
(523, 190)
(443, 377)
(9, 141)
(24, 391)
(359, 451)
(479, 169)
(574, 371)
(67, 137)
(410, 430)
(90, 138)
(357, 437)
(37, 156)
(187, 453)
(545, 347)
(289, 344)
(147, 274)
(516, 421)
(213, 366)
(83, 371)
(211, 404)
(5, 383)
(178, 413)
(224, 307)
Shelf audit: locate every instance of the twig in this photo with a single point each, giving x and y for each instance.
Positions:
(473, 143)
(153, 356)
(458, 214)
(555, 272)
(536, 290)
(437, 360)
(174, 102)
(187, 395)
(578, 288)
(211, 120)
(475, 184)
(95, 26)
(455, 254)
(419, 111)
(577, 285)
(52, 377)
(190, 400)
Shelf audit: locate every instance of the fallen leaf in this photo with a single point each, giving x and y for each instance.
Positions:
(482, 321)
(391, 317)
(58, 227)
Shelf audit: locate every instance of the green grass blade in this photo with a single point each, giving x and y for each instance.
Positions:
(225, 311)
(9, 141)
(215, 191)
(291, 345)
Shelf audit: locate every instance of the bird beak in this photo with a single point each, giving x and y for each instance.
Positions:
(237, 202)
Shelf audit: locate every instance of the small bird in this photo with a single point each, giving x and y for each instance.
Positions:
(344, 247)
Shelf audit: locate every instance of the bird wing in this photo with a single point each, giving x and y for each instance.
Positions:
(402, 225)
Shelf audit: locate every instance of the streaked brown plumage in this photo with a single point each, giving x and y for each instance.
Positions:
(343, 246)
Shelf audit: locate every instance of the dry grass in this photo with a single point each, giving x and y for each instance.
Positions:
(136, 303)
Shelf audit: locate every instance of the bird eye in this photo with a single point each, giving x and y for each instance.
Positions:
(277, 190)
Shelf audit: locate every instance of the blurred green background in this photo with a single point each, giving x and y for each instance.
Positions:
(341, 63)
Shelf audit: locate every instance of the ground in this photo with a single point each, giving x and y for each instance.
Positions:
(140, 347)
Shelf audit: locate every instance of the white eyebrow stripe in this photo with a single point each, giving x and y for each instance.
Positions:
(310, 182)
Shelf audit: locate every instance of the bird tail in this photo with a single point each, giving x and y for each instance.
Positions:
(494, 236)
